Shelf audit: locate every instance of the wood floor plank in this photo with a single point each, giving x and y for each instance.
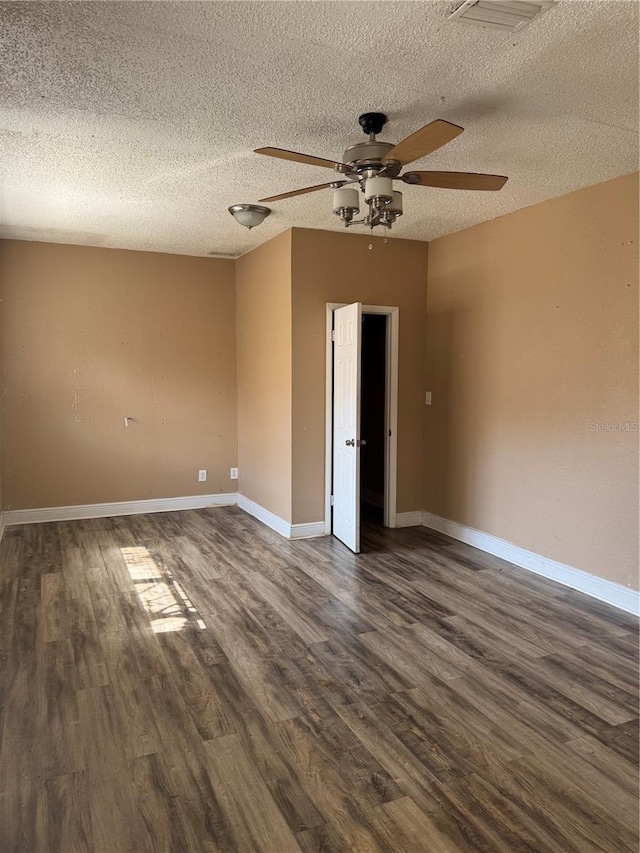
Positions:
(138, 732)
(10, 561)
(194, 682)
(62, 749)
(576, 806)
(350, 672)
(90, 669)
(607, 763)
(256, 820)
(116, 822)
(53, 621)
(210, 715)
(411, 773)
(21, 777)
(289, 610)
(417, 829)
(161, 810)
(67, 815)
(183, 757)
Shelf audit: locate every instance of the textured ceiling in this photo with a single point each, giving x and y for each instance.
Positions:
(132, 124)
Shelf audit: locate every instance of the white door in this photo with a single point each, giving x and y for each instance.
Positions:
(346, 424)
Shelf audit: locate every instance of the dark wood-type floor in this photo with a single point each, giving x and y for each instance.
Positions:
(193, 682)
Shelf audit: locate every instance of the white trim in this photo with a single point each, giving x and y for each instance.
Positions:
(265, 516)
(612, 593)
(391, 411)
(409, 519)
(68, 513)
(328, 407)
(307, 531)
(289, 531)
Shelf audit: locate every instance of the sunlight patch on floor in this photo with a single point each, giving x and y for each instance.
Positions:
(163, 599)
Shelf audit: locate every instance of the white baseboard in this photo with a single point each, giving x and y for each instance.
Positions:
(68, 513)
(107, 510)
(284, 528)
(307, 531)
(612, 593)
(265, 516)
(409, 519)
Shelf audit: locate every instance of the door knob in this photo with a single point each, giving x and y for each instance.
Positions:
(350, 442)
(361, 442)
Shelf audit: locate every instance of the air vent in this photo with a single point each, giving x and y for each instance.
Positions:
(509, 15)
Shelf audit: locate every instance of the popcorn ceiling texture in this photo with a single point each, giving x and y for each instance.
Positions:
(132, 124)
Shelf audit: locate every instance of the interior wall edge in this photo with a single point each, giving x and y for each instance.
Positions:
(264, 375)
(309, 530)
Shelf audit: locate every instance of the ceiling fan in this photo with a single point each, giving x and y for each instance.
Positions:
(373, 166)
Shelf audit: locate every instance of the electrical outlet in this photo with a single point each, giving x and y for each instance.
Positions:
(427, 398)
(202, 475)
(234, 474)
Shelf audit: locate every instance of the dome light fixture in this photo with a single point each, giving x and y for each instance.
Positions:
(249, 215)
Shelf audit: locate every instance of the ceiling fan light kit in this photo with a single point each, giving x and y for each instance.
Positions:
(346, 203)
(373, 166)
(249, 215)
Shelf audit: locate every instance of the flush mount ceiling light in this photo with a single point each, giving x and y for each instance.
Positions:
(249, 215)
(370, 169)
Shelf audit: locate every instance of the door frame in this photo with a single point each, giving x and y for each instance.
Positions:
(391, 411)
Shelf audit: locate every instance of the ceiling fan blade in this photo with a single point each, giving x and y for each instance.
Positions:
(455, 180)
(303, 191)
(429, 138)
(283, 154)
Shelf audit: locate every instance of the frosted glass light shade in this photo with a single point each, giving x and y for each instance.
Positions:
(346, 198)
(249, 215)
(395, 206)
(378, 190)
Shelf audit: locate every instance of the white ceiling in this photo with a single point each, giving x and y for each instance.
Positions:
(132, 124)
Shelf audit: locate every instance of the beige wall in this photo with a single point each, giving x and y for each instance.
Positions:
(263, 295)
(532, 337)
(92, 335)
(333, 267)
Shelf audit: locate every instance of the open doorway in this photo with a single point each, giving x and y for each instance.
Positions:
(373, 382)
(361, 447)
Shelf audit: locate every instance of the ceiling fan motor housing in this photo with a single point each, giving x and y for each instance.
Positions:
(366, 157)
